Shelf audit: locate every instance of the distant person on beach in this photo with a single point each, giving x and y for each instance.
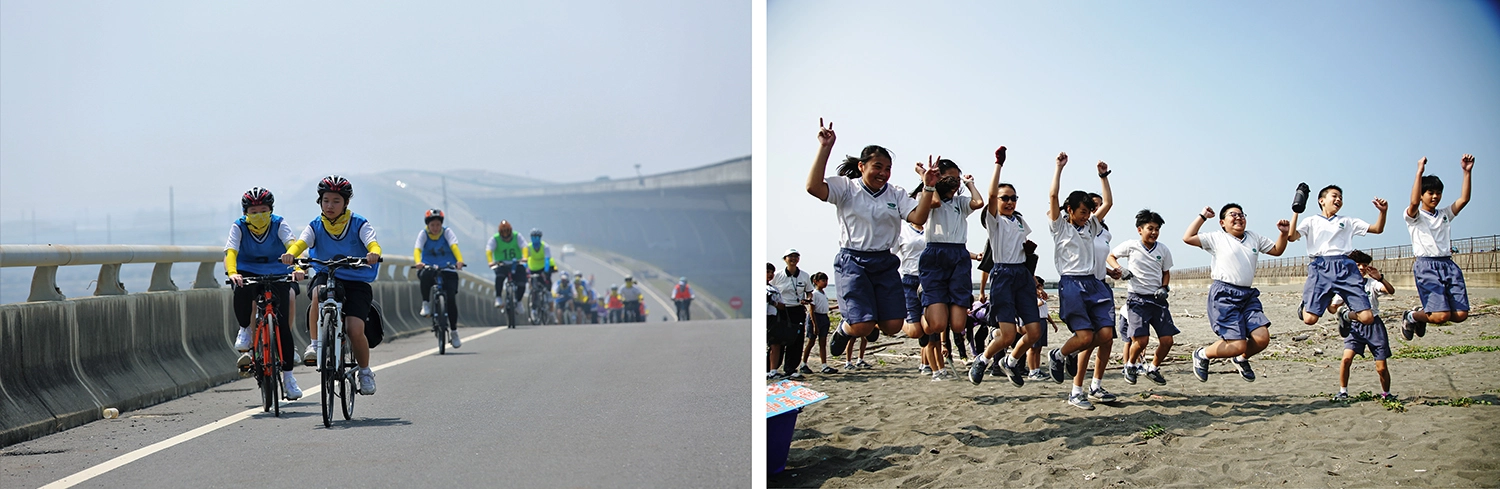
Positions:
(1330, 238)
(1012, 295)
(853, 362)
(1034, 356)
(870, 212)
(1363, 335)
(776, 334)
(817, 328)
(908, 249)
(1085, 302)
(1234, 309)
(945, 269)
(1150, 265)
(796, 290)
(1440, 282)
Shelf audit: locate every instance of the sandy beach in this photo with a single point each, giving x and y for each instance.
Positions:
(891, 427)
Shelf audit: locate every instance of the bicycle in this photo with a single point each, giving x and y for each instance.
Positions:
(541, 300)
(335, 364)
(265, 344)
(508, 294)
(439, 306)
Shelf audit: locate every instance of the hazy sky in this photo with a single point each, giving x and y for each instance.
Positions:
(106, 104)
(1191, 104)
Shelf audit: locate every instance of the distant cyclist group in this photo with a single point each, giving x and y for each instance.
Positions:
(265, 259)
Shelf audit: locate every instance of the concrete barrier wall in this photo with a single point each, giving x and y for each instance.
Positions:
(62, 362)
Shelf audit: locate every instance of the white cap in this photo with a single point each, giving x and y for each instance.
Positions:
(790, 252)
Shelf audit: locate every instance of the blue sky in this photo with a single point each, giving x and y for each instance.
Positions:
(1191, 103)
(113, 102)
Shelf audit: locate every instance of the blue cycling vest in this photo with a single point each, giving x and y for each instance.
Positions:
(326, 246)
(437, 251)
(261, 255)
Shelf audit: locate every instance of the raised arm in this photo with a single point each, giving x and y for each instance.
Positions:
(1052, 208)
(815, 184)
(1191, 236)
(1104, 193)
(1463, 197)
(975, 201)
(994, 195)
(1379, 225)
(1281, 239)
(1416, 189)
(1293, 235)
(919, 215)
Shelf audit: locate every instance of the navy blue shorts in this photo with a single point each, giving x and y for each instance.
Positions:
(911, 290)
(1041, 340)
(1372, 335)
(1235, 311)
(869, 285)
(1013, 294)
(946, 272)
(1085, 303)
(1144, 313)
(1329, 275)
(818, 327)
(1440, 284)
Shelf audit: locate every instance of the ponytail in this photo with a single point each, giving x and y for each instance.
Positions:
(850, 166)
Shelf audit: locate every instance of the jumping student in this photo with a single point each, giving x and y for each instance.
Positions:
(1330, 238)
(1085, 303)
(908, 249)
(1012, 294)
(1150, 264)
(1363, 335)
(870, 212)
(944, 269)
(256, 241)
(1440, 283)
(1234, 309)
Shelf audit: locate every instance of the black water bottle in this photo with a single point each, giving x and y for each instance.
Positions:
(1299, 201)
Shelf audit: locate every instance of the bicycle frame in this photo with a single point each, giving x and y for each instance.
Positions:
(334, 358)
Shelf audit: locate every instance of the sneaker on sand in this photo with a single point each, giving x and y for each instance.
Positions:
(829, 370)
(924, 369)
(1072, 364)
(1038, 376)
(804, 369)
(850, 366)
(1080, 401)
(292, 391)
(773, 375)
(1244, 367)
(1200, 365)
(1408, 324)
(1101, 394)
(976, 372)
(1130, 374)
(1155, 376)
(366, 382)
(426, 309)
(1341, 397)
(453, 339)
(1014, 373)
(1055, 365)
(862, 365)
(795, 376)
(242, 341)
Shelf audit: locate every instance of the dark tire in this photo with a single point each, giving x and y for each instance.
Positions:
(347, 393)
(331, 364)
(275, 390)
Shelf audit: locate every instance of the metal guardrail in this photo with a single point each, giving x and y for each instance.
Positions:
(46, 259)
(1480, 253)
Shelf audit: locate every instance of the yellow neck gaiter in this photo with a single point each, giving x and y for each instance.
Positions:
(336, 226)
(258, 222)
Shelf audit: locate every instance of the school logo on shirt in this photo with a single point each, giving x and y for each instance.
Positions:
(1158, 257)
(890, 205)
(1341, 225)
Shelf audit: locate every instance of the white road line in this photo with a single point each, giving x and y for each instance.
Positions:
(140, 453)
(625, 273)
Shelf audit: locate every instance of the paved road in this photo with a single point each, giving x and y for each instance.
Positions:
(633, 405)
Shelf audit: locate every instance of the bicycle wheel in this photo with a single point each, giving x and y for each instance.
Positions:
(440, 319)
(328, 370)
(348, 389)
(275, 390)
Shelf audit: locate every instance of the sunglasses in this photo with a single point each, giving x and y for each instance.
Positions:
(1234, 215)
(1009, 198)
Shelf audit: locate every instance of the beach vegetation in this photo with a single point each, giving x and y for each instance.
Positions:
(1390, 403)
(1153, 431)
(1492, 301)
(1430, 352)
(1483, 336)
(1460, 402)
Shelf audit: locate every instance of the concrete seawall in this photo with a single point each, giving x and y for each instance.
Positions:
(62, 362)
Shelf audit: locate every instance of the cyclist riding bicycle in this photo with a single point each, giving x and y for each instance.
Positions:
(538, 258)
(256, 241)
(337, 231)
(631, 296)
(438, 246)
(582, 301)
(562, 295)
(504, 255)
(614, 305)
(683, 297)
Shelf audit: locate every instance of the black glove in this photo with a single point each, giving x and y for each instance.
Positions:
(1161, 292)
(1299, 201)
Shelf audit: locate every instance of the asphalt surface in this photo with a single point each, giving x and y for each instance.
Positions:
(660, 404)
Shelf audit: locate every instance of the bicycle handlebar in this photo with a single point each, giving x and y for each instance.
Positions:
(347, 262)
(263, 279)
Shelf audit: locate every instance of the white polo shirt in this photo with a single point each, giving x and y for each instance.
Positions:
(1146, 264)
(868, 220)
(1328, 236)
(1373, 290)
(793, 288)
(773, 296)
(1074, 246)
(948, 222)
(1101, 250)
(1007, 237)
(909, 248)
(820, 302)
(1234, 258)
(1429, 232)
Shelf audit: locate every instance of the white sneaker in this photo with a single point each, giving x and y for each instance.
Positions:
(242, 342)
(292, 391)
(366, 382)
(499, 304)
(244, 362)
(453, 339)
(426, 309)
(310, 357)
